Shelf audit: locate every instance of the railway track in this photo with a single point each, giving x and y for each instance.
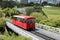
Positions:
(41, 35)
(20, 31)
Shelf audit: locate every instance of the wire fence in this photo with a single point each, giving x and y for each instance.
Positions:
(48, 28)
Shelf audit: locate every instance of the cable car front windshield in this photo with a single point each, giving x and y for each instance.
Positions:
(31, 21)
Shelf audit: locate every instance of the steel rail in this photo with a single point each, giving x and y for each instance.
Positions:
(20, 31)
(41, 35)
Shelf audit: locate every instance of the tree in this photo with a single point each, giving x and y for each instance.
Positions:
(39, 9)
(44, 3)
(10, 12)
(31, 4)
(29, 10)
(1, 13)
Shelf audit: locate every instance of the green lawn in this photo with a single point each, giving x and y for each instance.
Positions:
(53, 12)
(53, 19)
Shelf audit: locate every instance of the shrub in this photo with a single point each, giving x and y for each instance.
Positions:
(10, 12)
(46, 21)
(20, 5)
(1, 13)
(37, 8)
(2, 24)
(29, 10)
(6, 4)
(14, 37)
(51, 22)
(2, 20)
(38, 16)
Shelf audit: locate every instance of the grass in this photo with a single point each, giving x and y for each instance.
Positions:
(52, 13)
(53, 19)
(15, 38)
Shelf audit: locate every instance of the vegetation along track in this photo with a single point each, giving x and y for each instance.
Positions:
(41, 35)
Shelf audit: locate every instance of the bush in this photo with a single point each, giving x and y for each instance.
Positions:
(20, 5)
(2, 24)
(6, 4)
(46, 21)
(2, 20)
(37, 8)
(38, 16)
(29, 10)
(1, 13)
(14, 37)
(51, 22)
(10, 12)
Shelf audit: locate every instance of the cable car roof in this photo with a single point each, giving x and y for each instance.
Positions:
(23, 16)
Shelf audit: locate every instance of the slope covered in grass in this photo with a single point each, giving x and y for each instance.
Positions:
(53, 17)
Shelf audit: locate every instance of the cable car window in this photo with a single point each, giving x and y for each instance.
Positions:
(18, 19)
(15, 18)
(31, 21)
(22, 20)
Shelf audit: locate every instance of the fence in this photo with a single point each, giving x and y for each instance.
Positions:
(49, 28)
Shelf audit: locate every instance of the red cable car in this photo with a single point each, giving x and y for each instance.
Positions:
(25, 22)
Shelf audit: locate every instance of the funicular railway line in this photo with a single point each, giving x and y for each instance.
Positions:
(39, 35)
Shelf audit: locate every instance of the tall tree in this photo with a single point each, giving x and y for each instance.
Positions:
(35, 9)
